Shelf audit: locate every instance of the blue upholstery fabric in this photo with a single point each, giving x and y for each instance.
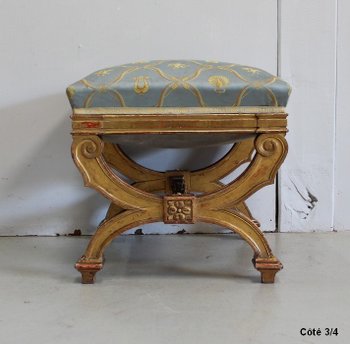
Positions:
(178, 83)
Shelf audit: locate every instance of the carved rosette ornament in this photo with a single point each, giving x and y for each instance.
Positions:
(178, 209)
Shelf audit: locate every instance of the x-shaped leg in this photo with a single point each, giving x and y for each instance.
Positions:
(203, 180)
(213, 206)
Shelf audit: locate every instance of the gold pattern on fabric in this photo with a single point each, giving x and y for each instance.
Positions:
(177, 65)
(141, 84)
(219, 82)
(103, 72)
(179, 83)
(70, 92)
(251, 70)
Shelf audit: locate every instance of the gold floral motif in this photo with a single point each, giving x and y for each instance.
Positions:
(141, 84)
(103, 72)
(177, 65)
(219, 82)
(178, 211)
(251, 70)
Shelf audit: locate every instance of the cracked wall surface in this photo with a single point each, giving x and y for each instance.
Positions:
(308, 60)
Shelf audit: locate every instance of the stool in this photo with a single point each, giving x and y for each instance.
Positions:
(177, 103)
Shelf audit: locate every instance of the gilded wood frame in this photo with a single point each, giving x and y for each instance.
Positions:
(137, 204)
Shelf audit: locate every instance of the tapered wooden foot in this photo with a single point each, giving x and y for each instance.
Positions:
(88, 269)
(268, 267)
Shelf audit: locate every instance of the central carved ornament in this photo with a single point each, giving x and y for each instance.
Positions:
(178, 209)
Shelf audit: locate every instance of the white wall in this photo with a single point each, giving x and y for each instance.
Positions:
(46, 45)
(308, 62)
(314, 57)
(342, 123)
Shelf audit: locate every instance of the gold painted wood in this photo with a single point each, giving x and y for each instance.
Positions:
(181, 123)
(202, 180)
(137, 204)
(87, 155)
(271, 150)
(117, 159)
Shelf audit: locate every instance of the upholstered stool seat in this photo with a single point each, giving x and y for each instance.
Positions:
(178, 84)
(178, 103)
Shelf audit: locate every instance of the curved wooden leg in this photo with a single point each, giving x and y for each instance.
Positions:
(112, 211)
(92, 260)
(239, 154)
(264, 260)
(151, 186)
(144, 207)
(115, 157)
(87, 155)
(203, 180)
(271, 150)
(243, 208)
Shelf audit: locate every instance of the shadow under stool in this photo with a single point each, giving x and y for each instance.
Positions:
(178, 103)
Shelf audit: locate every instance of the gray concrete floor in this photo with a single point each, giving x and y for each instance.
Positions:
(174, 289)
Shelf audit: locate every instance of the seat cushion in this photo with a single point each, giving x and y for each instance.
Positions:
(178, 83)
